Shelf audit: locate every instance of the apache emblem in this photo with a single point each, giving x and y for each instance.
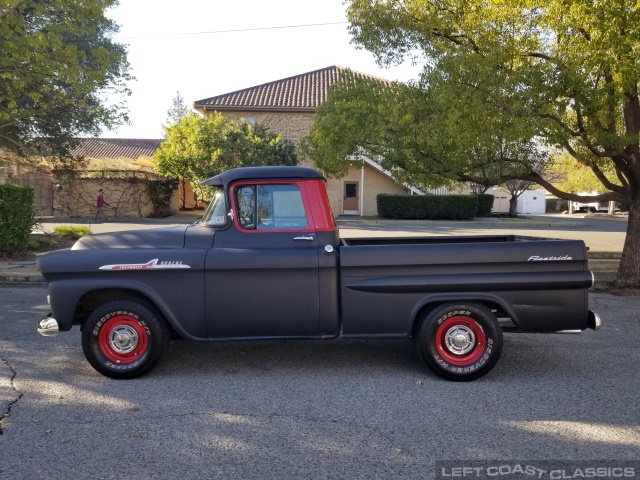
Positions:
(154, 264)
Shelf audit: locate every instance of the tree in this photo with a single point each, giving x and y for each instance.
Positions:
(197, 148)
(515, 189)
(420, 135)
(567, 69)
(176, 112)
(58, 63)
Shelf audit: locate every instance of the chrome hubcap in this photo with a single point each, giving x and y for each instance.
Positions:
(123, 339)
(460, 339)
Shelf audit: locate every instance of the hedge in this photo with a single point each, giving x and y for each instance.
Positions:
(432, 207)
(485, 205)
(16, 217)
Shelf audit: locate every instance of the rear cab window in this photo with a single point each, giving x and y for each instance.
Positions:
(270, 207)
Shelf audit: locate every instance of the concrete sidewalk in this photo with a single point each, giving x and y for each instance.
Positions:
(23, 270)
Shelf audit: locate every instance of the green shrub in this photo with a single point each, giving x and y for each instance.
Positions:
(71, 231)
(160, 193)
(555, 205)
(431, 207)
(485, 205)
(16, 217)
(36, 242)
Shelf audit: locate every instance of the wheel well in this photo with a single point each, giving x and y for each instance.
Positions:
(90, 300)
(495, 308)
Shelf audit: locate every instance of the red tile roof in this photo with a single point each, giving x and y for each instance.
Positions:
(304, 92)
(116, 147)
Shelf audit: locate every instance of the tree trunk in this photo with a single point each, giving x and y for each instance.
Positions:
(629, 271)
(513, 206)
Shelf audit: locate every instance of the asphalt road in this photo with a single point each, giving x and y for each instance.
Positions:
(600, 233)
(293, 410)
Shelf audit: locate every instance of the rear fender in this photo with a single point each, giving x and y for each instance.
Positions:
(490, 301)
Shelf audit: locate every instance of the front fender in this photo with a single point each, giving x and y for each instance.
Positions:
(66, 295)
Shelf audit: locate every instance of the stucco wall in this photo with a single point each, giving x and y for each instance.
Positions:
(375, 182)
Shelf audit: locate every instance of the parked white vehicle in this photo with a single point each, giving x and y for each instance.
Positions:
(592, 206)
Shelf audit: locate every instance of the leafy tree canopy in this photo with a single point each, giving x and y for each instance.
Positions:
(562, 74)
(58, 65)
(575, 177)
(418, 134)
(197, 148)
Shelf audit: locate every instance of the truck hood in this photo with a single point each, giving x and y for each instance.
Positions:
(166, 237)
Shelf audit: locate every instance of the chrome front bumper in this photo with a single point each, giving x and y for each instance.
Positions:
(593, 321)
(48, 326)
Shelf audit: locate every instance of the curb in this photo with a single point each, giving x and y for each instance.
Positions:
(31, 278)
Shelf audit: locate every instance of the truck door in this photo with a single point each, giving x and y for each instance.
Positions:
(261, 275)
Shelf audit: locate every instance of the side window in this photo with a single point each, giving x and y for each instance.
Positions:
(246, 201)
(270, 207)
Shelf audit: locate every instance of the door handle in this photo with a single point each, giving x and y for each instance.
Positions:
(305, 237)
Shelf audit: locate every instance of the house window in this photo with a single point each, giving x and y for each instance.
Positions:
(250, 120)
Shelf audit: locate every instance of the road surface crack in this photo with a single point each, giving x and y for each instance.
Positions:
(7, 412)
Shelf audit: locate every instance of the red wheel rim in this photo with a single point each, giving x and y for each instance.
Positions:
(460, 341)
(123, 339)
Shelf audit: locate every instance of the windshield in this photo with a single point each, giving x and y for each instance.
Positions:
(216, 213)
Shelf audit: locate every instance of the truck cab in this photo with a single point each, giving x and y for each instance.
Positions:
(273, 265)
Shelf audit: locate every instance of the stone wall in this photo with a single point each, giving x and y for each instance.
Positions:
(292, 125)
(127, 197)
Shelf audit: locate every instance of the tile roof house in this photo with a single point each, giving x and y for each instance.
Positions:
(131, 148)
(300, 93)
(135, 151)
(288, 106)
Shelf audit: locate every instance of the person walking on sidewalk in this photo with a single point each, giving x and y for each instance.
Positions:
(100, 203)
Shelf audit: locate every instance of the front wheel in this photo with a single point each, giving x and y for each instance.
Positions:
(124, 338)
(460, 341)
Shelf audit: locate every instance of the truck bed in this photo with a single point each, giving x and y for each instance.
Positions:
(536, 284)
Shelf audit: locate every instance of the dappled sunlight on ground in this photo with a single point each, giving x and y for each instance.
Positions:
(582, 431)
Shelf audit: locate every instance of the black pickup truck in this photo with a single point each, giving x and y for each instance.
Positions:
(266, 262)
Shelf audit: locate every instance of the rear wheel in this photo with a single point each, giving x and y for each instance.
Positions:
(460, 341)
(124, 338)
